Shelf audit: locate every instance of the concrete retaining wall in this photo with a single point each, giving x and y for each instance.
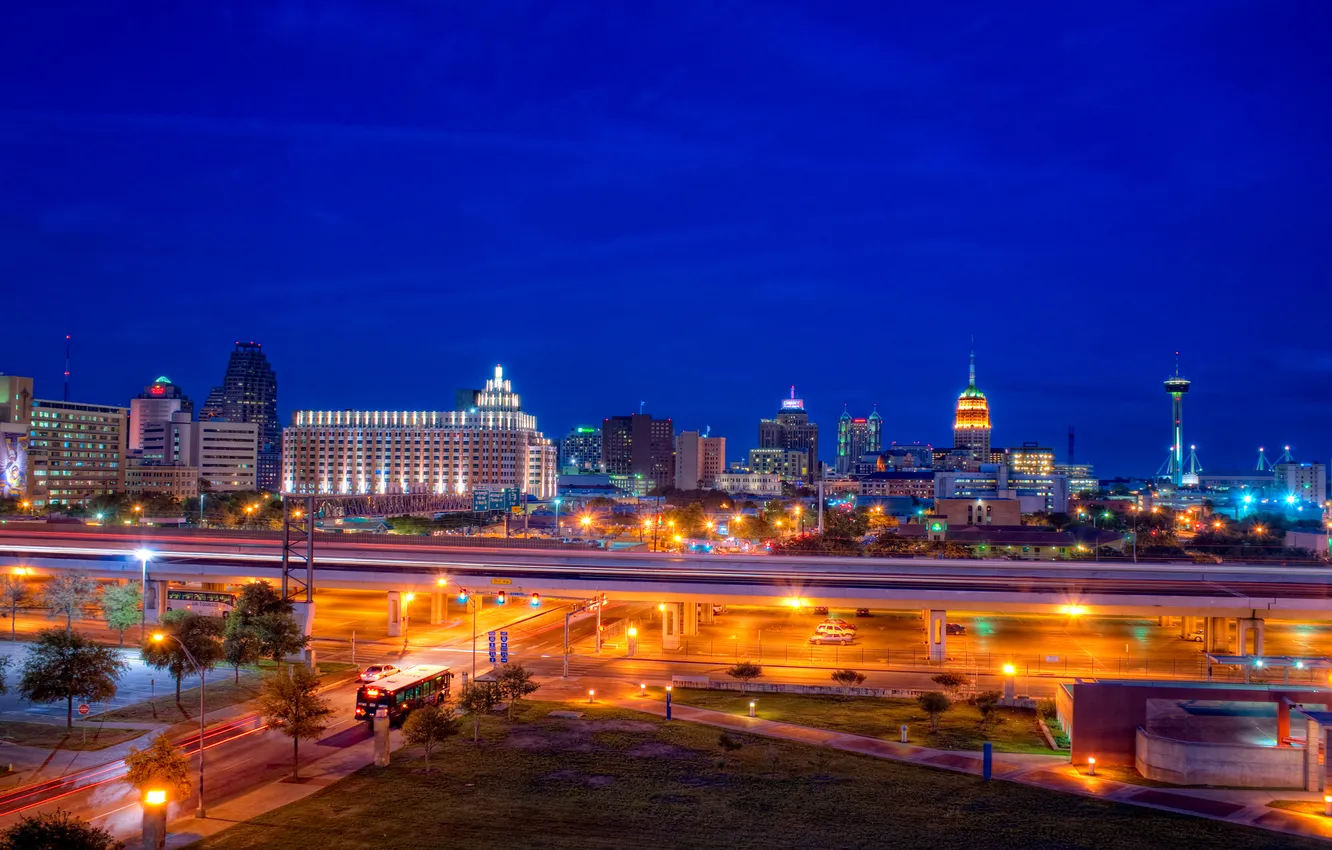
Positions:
(703, 683)
(1235, 765)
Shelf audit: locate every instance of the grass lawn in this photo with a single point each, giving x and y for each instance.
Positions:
(615, 779)
(221, 692)
(49, 737)
(959, 728)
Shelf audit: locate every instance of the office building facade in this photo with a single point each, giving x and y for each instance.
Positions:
(141, 479)
(698, 460)
(790, 465)
(791, 430)
(224, 454)
(76, 451)
(639, 445)
(1302, 483)
(249, 394)
(491, 445)
(749, 484)
(1035, 493)
(156, 404)
(580, 450)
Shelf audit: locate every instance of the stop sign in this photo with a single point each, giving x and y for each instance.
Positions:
(83, 708)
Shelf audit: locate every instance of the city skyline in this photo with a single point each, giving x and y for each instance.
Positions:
(1092, 202)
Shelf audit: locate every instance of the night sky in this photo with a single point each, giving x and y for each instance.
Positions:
(694, 205)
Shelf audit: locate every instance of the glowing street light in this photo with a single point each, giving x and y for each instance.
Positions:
(158, 637)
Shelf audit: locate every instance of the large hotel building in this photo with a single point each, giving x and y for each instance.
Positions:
(489, 444)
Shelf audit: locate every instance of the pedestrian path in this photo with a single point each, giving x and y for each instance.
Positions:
(1245, 807)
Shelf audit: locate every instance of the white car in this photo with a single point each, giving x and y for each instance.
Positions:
(1196, 637)
(838, 639)
(377, 671)
(833, 629)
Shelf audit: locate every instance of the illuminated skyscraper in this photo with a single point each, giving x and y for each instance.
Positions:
(154, 406)
(249, 394)
(971, 426)
(791, 430)
(856, 437)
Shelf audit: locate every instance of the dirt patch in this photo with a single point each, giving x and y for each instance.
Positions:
(657, 750)
(620, 726)
(550, 740)
(573, 776)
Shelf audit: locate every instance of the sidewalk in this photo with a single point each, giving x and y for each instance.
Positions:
(315, 776)
(1053, 772)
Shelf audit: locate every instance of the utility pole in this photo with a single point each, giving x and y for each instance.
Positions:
(820, 507)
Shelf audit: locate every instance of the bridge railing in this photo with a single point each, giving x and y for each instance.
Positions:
(360, 538)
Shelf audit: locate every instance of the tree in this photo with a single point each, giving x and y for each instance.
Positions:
(288, 702)
(64, 665)
(515, 682)
(240, 645)
(987, 703)
(121, 609)
(13, 593)
(268, 617)
(478, 699)
(848, 679)
(159, 765)
(745, 671)
(58, 830)
(950, 681)
(278, 635)
(201, 636)
(428, 726)
(934, 703)
(67, 593)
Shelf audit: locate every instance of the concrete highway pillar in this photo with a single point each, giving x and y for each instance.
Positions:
(1283, 723)
(1313, 774)
(439, 603)
(1161, 621)
(394, 613)
(1218, 637)
(1326, 740)
(670, 626)
(689, 619)
(705, 615)
(1244, 627)
(937, 634)
(157, 591)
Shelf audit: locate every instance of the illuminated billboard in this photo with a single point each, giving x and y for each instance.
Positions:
(13, 465)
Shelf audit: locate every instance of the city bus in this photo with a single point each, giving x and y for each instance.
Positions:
(424, 684)
(206, 603)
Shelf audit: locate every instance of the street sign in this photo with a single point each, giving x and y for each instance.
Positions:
(501, 581)
(504, 647)
(490, 640)
(84, 709)
(480, 501)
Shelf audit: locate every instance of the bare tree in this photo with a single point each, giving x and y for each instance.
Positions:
(13, 594)
(67, 594)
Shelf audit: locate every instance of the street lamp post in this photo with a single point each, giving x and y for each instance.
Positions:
(406, 616)
(557, 517)
(159, 637)
(144, 555)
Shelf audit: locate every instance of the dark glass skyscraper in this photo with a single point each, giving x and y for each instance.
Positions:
(249, 394)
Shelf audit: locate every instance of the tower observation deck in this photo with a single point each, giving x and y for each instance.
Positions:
(1176, 386)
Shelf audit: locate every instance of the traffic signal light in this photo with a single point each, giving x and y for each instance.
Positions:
(500, 598)
(536, 600)
(462, 596)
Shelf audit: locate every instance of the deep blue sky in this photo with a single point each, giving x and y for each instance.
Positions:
(690, 204)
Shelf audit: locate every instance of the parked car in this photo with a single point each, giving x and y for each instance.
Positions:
(837, 621)
(377, 671)
(822, 609)
(718, 609)
(838, 639)
(833, 629)
(955, 629)
(1197, 637)
(863, 612)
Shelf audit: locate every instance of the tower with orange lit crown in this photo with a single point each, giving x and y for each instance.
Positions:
(971, 425)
